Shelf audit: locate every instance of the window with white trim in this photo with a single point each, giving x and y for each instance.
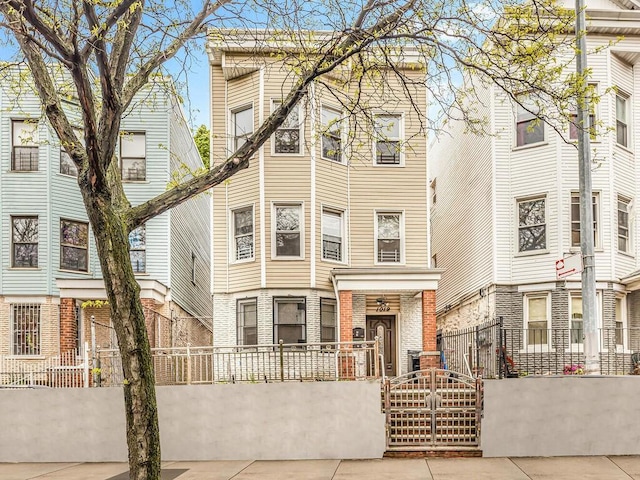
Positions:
(241, 126)
(529, 128)
(74, 245)
(289, 319)
(331, 134)
(67, 165)
(532, 225)
(288, 136)
(624, 211)
(328, 323)
(24, 151)
(622, 120)
(288, 231)
(24, 240)
(332, 232)
(537, 319)
(388, 145)
(576, 325)
(574, 128)
(389, 237)
(25, 331)
(243, 233)
(620, 323)
(138, 249)
(247, 321)
(133, 156)
(575, 219)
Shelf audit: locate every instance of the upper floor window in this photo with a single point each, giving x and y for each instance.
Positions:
(532, 226)
(537, 319)
(575, 219)
(138, 249)
(328, 323)
(288, 230)
(24, 238)
(388, 139)
(289, 320)
(288, 136)
(622, 120)
(332, 243)
(331, 134)
(574, 128)
(241, 126)
(247, 321)
(24, 153)
(25, 331)
(74, 245)
(624, 207)
(133, 154)
(243, 233)
(67, 166)
(529, 129)
(389, 237)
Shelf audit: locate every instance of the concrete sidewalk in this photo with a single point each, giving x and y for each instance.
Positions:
(557, 468)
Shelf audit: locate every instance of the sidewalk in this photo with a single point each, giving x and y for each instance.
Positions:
(558, 468)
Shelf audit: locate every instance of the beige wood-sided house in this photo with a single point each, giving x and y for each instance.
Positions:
(323, 237)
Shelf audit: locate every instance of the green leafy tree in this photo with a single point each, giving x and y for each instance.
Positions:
(201, 138)
(109, 52)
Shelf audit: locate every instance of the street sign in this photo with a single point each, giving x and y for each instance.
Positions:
(569, 265)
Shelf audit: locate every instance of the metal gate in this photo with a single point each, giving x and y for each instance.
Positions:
(433, 409)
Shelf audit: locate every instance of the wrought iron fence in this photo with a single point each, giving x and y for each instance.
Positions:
(65, 371)
(251, 364)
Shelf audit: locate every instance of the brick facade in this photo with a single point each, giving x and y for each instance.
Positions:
(68, 325)
(429, 328)
(346, 316)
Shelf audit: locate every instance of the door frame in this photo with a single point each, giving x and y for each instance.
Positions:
(396, 336)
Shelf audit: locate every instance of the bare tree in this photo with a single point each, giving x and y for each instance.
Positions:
(123, 44)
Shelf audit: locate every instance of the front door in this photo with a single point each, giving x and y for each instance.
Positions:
(384, 327)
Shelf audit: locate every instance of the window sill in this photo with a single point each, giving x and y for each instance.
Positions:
(64, 175)
(623, 148)
(335, 262)
(141, 274)
(275, 154)
(382, 264)
(517, 148)
(626, 254)
(23, 171)
(286, 259)
(389, 165)
(574, 250)
(81, 272)
(531, 253)
(135, 182)
(337, 162)
(244, 260)
(21, 269)
(538, 348)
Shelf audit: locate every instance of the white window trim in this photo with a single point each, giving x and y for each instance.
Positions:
(595, 111)
(403, 255)
(630, 226)
(401, 140)
(245, 301)
(515, 145)
(343, 215)
(624, 348)
(598, 233)
(579, 347)
(232, 234)
(284, 203)
(538, 347)
(276, 320)
(301, 118)
(524, 253)
(343, 138)
(145, 158)
(231, 126)
(629, 108)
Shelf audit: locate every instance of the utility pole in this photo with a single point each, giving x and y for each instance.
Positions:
(592, 362)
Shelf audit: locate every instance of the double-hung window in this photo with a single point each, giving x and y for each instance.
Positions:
(24, 237)
(288, 136)
(331, 134)
(289, 319)
(243, 233)
(624, 206)
(332, 244)
(389, 237)
(247, 321)
(25, 334)
(529, 129)
(133, 153)
(621, 333)
(575, 219)
(74, 245)
(622, 120)
(532, 226)
(574, 128)
(288, 231)
(67, 166)
(576, 332)
(537, 319)
(388, 145)
(328, 323)
(138, 249)
(241, 126)
(24, 153)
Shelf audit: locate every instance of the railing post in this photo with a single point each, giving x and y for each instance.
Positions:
(85, 373)
(501, 333)
(188, 364)
(477, 340)
(375, 357)
(281, 347)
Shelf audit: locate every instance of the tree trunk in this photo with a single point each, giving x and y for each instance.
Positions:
(123, 293)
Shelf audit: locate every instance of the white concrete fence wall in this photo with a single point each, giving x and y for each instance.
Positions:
(559, 416)
(205, 422)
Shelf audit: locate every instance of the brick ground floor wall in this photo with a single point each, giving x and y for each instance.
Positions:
(49, 343)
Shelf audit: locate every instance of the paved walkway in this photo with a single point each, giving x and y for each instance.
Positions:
(559, 468)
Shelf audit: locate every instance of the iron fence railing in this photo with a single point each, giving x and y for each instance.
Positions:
(251, 363)
(495, 351)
